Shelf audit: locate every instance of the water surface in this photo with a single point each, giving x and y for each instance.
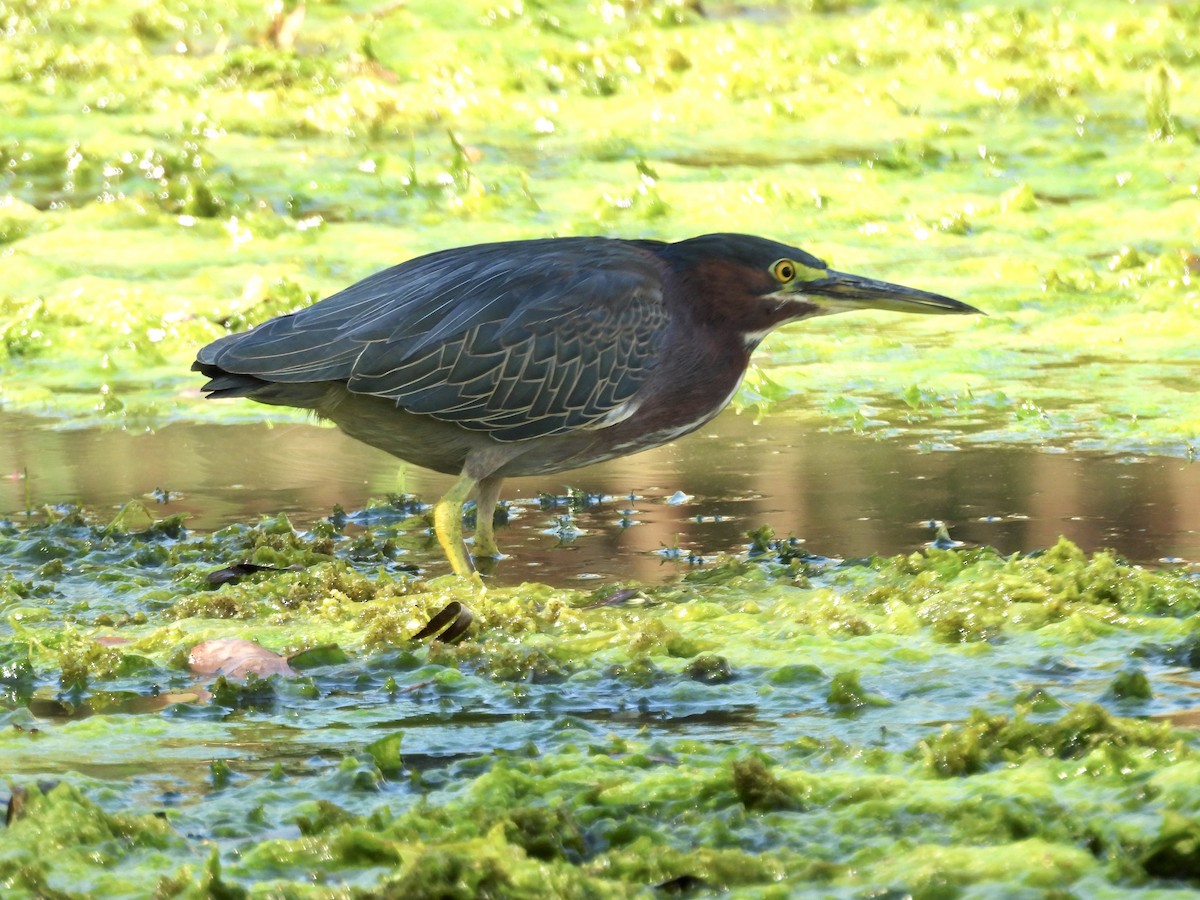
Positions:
(844, 495)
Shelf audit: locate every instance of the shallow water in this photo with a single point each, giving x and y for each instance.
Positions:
(844, 495)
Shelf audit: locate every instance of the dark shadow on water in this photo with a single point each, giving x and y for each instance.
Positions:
(845, 495)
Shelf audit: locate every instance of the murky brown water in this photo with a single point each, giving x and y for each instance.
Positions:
(845, 495)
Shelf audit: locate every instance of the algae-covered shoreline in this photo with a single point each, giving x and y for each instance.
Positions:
(950, 723)
(933, 723)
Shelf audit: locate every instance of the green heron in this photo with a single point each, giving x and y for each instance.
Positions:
(532, 357)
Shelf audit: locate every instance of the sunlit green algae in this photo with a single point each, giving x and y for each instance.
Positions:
(931, 723)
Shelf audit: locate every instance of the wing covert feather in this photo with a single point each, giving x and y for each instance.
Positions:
(522, 340)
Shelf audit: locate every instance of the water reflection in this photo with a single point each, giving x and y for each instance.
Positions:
(845, 495)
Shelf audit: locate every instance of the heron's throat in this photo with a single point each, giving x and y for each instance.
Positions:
(751, 339)
(781, 309)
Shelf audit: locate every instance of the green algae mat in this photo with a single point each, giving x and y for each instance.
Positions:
(947, 724)
(940, 724)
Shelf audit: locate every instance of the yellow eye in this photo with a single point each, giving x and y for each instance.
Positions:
(784, 271)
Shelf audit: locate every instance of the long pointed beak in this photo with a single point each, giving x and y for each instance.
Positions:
(840, 291)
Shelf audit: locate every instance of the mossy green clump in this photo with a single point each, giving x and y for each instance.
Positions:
(977, 595)
(385, 753)
(503, 662)
(1174, 852)
(758, 789)
(229, 604)
(709, 669)
(1131, 685)
(481, 867)
(252, 693)
(846, 692)
(82, 660)
(986, 740)
(321, 816)
(60, 829)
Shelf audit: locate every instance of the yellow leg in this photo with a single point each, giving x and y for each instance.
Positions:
(485, 507)
(447, 525)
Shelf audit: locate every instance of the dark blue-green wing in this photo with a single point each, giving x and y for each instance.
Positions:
(522, 340)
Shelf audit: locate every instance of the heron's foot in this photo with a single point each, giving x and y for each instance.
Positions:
(485, 552)
(486, 565)
(485, 542)
(485, 519)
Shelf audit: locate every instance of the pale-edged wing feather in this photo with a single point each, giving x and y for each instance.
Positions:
(520, 339)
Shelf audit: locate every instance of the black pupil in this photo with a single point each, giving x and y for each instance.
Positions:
(785, 272)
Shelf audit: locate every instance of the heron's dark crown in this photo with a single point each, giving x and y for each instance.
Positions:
(740, 249)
